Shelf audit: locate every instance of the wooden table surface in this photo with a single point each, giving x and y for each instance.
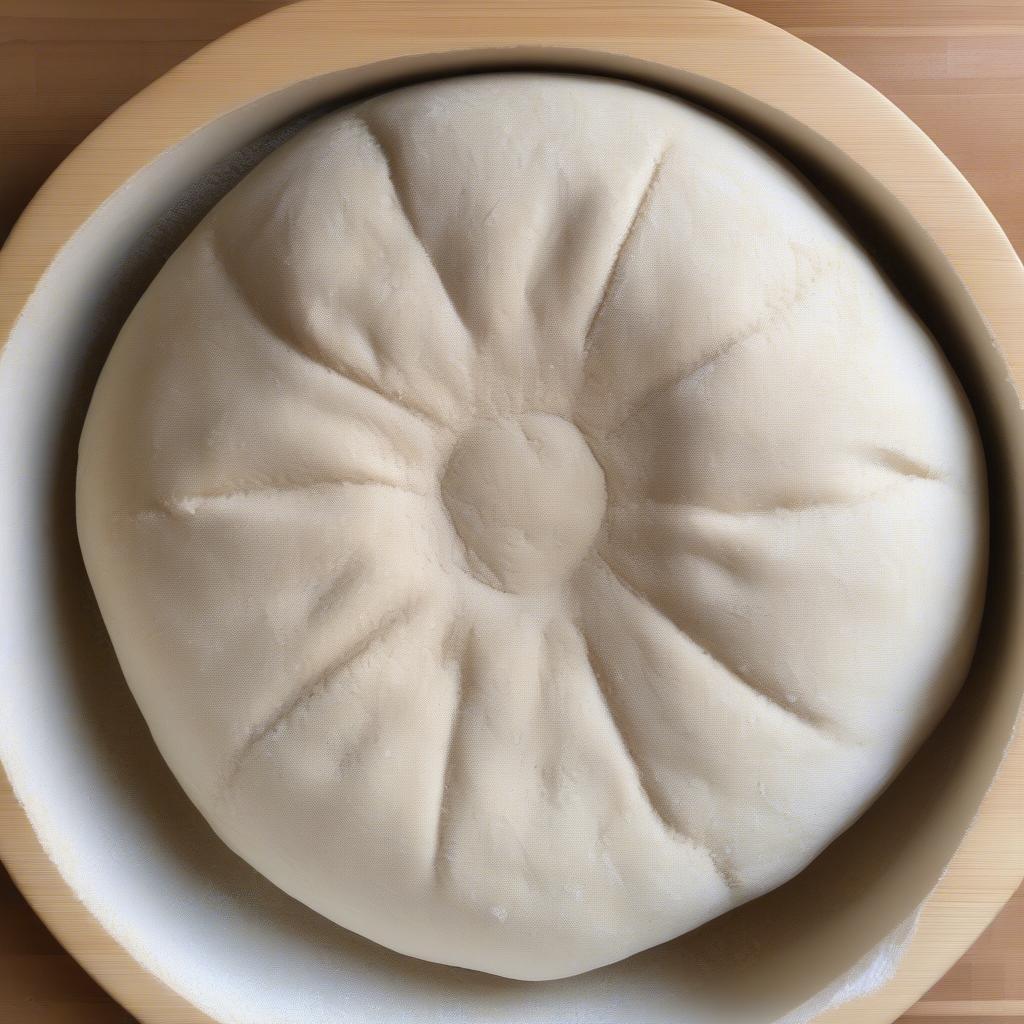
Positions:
(955, 66)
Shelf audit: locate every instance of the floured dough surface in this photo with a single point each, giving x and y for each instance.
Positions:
(528, 522)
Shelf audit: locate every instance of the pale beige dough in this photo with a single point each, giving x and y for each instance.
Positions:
(528, 522)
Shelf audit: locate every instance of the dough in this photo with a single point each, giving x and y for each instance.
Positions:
(529, 523)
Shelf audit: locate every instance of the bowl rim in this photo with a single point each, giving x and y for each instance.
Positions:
(745, 54)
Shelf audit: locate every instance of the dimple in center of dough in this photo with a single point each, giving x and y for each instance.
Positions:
(527, 498)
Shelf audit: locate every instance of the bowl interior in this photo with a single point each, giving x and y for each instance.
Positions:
(143, 861)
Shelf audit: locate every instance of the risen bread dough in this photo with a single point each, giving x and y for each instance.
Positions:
(528, 522)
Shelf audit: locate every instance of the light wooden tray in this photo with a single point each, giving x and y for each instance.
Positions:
(693, 37)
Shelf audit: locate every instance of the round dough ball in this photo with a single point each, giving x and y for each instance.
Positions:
(529, 523)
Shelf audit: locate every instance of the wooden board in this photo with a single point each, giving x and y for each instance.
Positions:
(954, 66)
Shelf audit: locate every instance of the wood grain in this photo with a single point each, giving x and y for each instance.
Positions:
(956, 67)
